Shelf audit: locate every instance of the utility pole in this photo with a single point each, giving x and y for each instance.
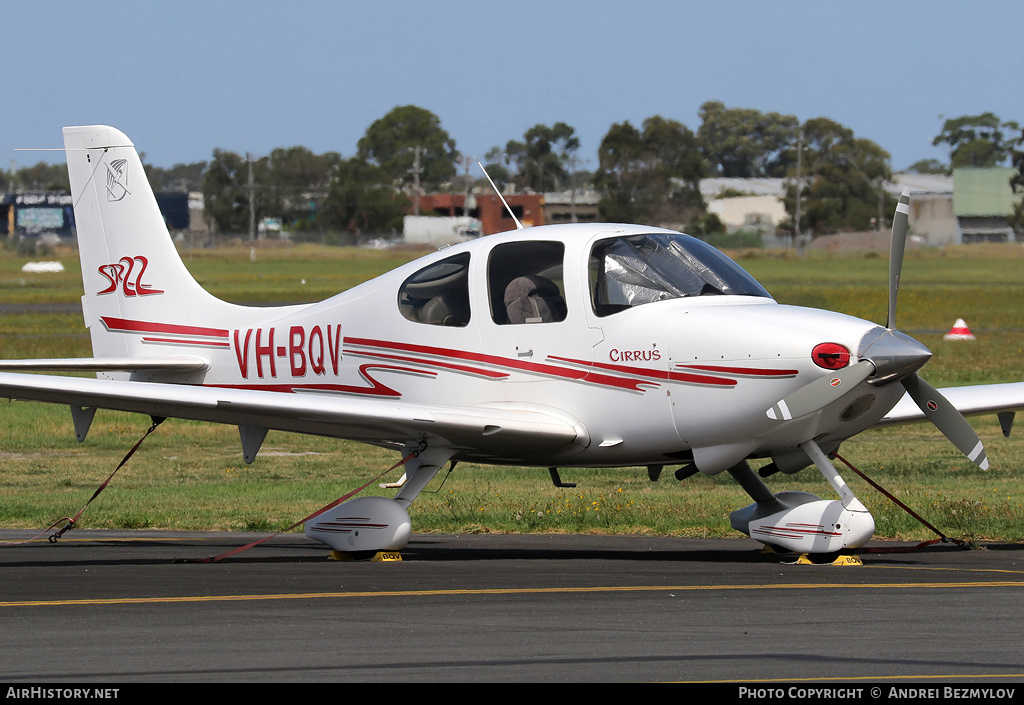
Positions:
(799, 188)
(252, 204)
(572, 183)
(881, 204)
(465, 179)
(416, 179)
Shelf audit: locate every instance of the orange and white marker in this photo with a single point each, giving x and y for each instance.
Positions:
(959, 331)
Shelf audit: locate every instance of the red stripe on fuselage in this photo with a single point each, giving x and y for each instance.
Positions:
(434, 363)
(124, 325)
(654, 373)
(519, 365)
(747, 371)
(175, 341)
(377, 389)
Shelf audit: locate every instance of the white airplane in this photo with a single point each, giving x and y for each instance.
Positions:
(597, 345)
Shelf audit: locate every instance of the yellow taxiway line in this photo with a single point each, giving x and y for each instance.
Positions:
(504, 591)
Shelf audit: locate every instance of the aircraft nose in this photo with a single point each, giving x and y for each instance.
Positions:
(893, 354)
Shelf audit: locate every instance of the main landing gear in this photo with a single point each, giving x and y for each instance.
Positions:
(367, 525)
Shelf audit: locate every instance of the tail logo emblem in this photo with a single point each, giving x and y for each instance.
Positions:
(120, 275)
(117, 179)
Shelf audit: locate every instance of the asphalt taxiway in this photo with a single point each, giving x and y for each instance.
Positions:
(121, 607)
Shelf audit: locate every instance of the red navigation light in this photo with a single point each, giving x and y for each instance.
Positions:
(831, 356)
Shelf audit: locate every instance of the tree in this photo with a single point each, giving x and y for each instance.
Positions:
(1017, 180)
(650, 176)
(746, 143)
(843, 179)
(180, 177)
(406, 134)
(289, 184)
(496, 164)
(226, 193)
(542, 161)
(43, 177)
(927, 166)
(362, 198)
(620, 174)
(977, 140)
(298, 182)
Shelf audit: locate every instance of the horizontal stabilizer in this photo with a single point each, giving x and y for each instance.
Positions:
(176, 363)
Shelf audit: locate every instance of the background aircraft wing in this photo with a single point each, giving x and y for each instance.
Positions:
(977, 399)
(510, 433)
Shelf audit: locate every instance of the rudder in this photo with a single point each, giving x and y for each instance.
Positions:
(131, 271)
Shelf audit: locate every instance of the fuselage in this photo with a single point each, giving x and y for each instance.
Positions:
(652, 377)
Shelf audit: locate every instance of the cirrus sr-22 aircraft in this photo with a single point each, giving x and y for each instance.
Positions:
(583, 345)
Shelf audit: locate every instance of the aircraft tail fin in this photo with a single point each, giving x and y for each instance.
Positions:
(139, 296)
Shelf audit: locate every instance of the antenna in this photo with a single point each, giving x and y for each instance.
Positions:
(519, 226)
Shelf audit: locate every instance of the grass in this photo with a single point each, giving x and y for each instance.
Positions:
(190, 475)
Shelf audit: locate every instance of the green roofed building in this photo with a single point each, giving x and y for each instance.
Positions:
(983, 203)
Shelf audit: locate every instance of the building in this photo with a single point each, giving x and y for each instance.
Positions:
(748, 205)
(487, 208)
(174, 207)
(438, 230)
(761, 214)
(50, 213)
(34, 213)
(757, 204)
(983, 203)
(571, 207)
(728, 187)
(931, 206)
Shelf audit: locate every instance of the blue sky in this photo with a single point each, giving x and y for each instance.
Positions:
(181, 78)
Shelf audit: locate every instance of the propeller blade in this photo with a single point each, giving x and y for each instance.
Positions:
(900, 225)
(821, 392)
(947, 419)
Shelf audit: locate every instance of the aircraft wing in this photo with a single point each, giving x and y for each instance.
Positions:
(509, 433)
(971, 400)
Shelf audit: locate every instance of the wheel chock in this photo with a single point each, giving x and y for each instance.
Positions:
(843, 559)
(378, 557)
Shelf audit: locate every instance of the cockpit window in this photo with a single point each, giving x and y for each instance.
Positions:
(640, 269)
(438, 294)
(525, 283)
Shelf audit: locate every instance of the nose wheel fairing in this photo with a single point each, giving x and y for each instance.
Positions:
(806, 524)
(799, 521)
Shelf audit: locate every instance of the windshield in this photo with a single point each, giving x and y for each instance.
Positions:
(640, 269)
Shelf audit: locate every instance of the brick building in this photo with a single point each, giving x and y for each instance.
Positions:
(487, 208)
